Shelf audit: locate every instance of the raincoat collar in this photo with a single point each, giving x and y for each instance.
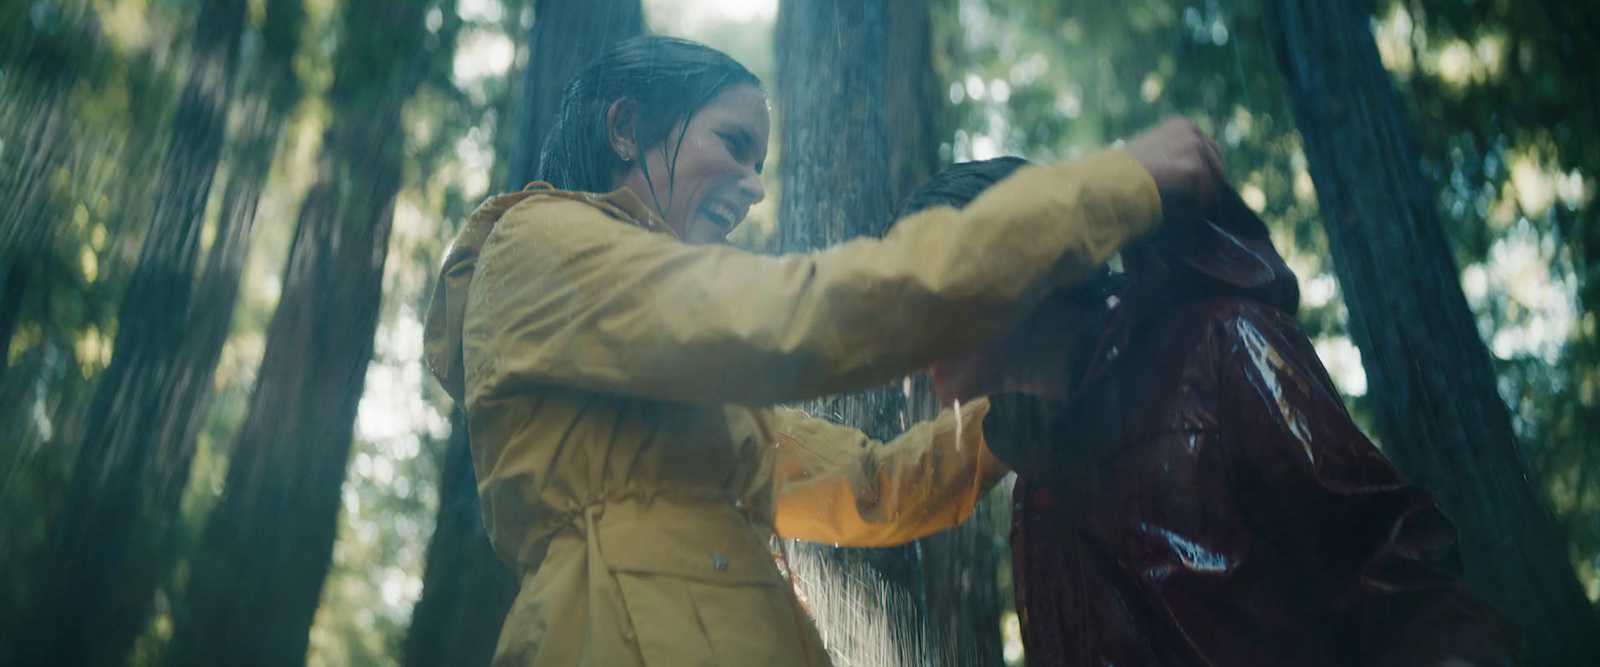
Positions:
(623, 204)
(442, 330)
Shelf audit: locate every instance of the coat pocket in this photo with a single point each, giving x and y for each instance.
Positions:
(683, 622)
(709, 542)
(701, 588)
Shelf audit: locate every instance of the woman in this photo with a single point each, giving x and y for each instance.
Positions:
(618, 365)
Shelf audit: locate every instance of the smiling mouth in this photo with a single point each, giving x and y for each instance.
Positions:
(722, 214)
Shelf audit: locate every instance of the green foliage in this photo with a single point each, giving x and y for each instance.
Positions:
(1500, 93)
(1511, 141)
(98, 196)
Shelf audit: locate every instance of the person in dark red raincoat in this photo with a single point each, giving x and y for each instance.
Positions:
(1191, 489)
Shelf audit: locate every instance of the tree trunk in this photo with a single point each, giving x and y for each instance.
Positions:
(257, 578)
(34, 152)
(131, 466)
(832, 60)
(1431, 381)
(833, 83)
(466, 590)
(915, 100)
(960, 577)
(565, 36)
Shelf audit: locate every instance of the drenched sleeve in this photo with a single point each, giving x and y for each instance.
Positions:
(1375, 547)
(566, 295)
(833, 484)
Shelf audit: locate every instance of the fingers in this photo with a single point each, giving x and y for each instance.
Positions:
(1187, 165)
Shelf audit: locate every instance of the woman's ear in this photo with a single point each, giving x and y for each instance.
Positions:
(621, 125)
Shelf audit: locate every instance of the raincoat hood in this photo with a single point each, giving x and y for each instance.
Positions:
(442, 333)
(1229, 253)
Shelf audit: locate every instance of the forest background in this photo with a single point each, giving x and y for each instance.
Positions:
(220, 221)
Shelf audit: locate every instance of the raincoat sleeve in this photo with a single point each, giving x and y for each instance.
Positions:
(833, 484)
(1375, 547)
(566, 295)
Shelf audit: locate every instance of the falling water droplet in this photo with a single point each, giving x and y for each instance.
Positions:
(957, 408)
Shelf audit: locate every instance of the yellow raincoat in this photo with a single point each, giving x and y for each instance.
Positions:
(618, 382)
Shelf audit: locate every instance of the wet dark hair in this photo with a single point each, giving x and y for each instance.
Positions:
(671, 80)
(960, 183)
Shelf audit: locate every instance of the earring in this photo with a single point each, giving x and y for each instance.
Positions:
(627, 156)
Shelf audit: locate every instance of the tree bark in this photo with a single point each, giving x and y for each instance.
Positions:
(132, 465)
(1432, 384)
(258, 574)
(915, 100)
(466, 590)
(40, 71)
(565, 37)
(832, 85)
(959, 566)
(838, 183)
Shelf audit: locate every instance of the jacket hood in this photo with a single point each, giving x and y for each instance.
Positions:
(1227, 254)
(445, 321)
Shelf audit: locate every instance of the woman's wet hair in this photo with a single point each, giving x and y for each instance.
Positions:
(670, 79)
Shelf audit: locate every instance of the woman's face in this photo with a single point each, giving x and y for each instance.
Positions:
(717, 175)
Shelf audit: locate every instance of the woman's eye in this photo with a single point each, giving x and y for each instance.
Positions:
(735, 145)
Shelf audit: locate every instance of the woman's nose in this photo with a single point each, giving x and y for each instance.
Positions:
(750, 186)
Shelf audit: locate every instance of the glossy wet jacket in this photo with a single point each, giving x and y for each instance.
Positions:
(1204, 498)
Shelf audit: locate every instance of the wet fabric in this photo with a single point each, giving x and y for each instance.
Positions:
(618, 387)
(1204, 498)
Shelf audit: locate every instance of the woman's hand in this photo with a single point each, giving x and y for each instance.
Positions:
(1186, 164)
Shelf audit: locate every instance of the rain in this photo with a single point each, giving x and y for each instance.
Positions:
(226, 436)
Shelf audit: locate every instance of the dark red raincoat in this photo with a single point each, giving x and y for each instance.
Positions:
(1205, 499)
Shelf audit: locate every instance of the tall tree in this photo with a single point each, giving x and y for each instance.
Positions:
(24, 229)
(833, 82)
(565, 37)
(914, 98)
(466, 590)
(959, 579)
(1524, 108)
(257, 579)
(837, 183)
(129, 467)
(43, 54)
(1432, 384)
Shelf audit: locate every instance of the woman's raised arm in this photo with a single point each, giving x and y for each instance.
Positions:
(564, 294)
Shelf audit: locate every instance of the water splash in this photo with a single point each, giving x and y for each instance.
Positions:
(857, 611)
